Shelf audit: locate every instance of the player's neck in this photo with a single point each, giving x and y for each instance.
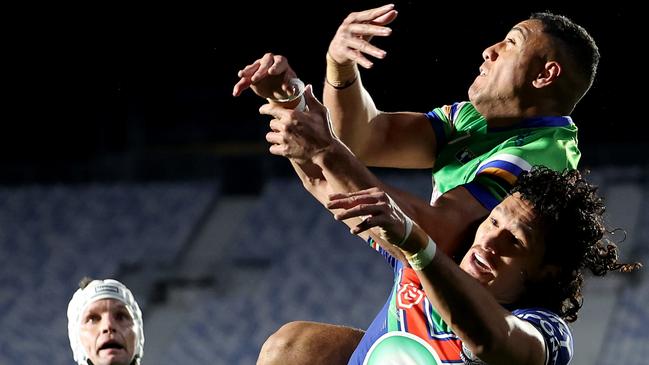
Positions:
(508, 118)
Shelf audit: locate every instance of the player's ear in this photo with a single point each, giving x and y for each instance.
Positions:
(549, 74)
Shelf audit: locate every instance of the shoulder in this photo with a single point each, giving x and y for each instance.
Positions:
(453, 112)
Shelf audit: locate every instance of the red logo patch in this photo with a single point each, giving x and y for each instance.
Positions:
(409, 296)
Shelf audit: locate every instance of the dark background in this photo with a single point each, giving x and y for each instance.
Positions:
(129, 93)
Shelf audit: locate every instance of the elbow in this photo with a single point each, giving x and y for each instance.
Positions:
(487, 351)
(482, 348)
(488, 341)
(513, 342)
(492, 346)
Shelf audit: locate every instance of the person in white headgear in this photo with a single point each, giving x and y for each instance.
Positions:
(105, 324)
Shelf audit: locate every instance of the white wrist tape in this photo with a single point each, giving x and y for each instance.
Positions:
(301, 107)
(424, 257)
(298, 93)
(409, 224)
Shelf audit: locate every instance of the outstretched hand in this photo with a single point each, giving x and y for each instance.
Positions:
(298, 135)
(376, 208)
(352, 40)
(269, 77)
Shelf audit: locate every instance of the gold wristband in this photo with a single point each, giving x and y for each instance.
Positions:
(339, 75)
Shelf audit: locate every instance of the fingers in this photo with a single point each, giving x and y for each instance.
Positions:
(278, 150)
(386, 18)
(359, 47)
(370, 15)
(249, 70)
(376, 210)
(354, 48)
(245, 75)
(374, 191)
(277, 125)
(366, 29)
(363, 226)
(280, 64)
(361, 210)
(275, 111)
(377, 217)
(352, 40)
(240, 86)
(345, 201)
(264, 63)
(276, 138)
(269, 64)
(358, 57)
(311, 101)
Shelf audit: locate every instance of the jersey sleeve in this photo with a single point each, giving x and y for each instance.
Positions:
(386, 255)
(496, 175)
(489, 190)
(555, 332)
(444, 121)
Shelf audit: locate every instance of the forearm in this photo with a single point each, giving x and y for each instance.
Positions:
(344, 173)
(464, 305)
(320, 182)
(350, 105)
(450, 221)
(312, 179)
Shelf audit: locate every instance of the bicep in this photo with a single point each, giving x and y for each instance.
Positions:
(400, 140)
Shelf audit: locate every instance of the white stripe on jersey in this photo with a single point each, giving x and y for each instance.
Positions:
(457, 110)
(428, 308)
(509, 158)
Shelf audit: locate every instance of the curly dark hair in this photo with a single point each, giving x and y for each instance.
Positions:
(571, 212)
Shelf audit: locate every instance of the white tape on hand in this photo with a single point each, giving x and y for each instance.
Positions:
(408, 223)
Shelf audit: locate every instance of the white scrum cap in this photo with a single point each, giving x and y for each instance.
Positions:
(94, 291)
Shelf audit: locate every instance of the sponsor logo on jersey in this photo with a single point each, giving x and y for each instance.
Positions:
(464, 155)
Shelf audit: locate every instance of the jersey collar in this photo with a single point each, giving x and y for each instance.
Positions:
(537, 122)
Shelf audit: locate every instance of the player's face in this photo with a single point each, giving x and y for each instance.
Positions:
(509, 68)
(107, 333)
(508, 250)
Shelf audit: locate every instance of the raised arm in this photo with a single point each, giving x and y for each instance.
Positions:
(352, 108)
(377, 138)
